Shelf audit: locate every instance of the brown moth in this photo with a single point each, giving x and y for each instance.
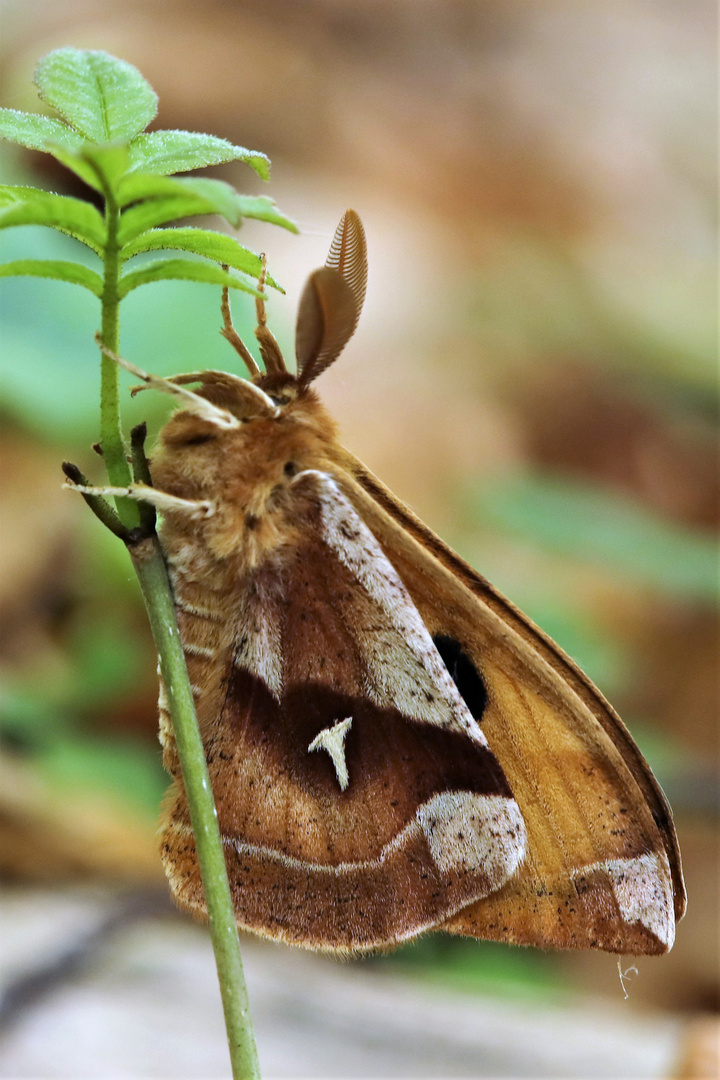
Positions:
(393, 746)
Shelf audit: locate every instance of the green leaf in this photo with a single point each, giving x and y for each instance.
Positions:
(219, 197)
(165, 152)
(101, 167)
(189, 198)
(145, 216)
(183, 270)
(29, 206)
(104, 98)
(263, 208)
(109, 163)
(59, 269)
(77, 163)
(601, 527)
(48, 364)
(37, 132)
(213, 245)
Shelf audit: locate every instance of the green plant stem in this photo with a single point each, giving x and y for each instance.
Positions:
(150, 568)
(157, 593)
(111, 438)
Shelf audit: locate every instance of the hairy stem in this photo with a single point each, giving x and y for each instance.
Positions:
(157, 593)
(150, 568)
(111, 439)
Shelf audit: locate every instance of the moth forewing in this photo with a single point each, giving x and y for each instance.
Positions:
(602, 867)
(406, 816)
(392, 746)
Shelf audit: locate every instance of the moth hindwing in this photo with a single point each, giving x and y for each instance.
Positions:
(393, 747)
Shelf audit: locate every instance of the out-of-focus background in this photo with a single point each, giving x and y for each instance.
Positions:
(534, 372)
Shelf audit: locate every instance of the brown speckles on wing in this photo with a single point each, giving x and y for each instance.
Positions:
(581, 809)
(427, 822)
(587, 796)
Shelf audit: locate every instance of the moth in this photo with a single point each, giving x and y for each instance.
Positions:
(393, 747)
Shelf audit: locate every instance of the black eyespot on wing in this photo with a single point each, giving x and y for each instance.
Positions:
(463, 673)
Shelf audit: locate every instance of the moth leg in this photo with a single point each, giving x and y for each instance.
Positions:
(192, 402)
(161, 500)
(269, 348)
(230, 333)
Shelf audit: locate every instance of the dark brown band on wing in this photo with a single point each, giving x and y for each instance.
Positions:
(384, 750)
(426, 826)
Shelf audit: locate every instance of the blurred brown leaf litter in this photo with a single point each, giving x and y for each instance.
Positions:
(538, 188)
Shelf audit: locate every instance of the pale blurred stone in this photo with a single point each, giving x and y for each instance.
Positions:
(146, 1004)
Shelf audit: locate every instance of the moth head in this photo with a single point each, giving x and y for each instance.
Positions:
(216, 405)
(328, 314)
(214, 418)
